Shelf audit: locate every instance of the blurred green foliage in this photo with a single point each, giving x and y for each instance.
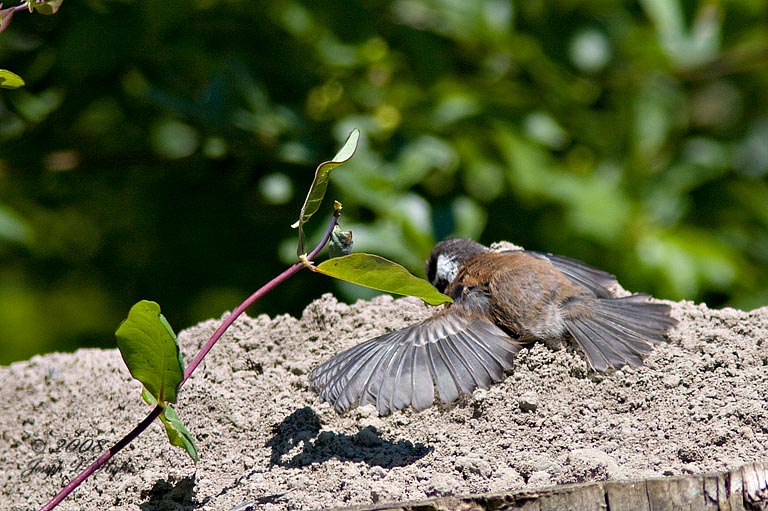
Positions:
(161, 150)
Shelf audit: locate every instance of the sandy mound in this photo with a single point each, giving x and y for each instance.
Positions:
(700, 404)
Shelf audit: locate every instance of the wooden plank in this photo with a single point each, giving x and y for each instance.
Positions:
(522, 501)
(725, 491)
(692, 492)
(715, 494)
(755, 479)
(661, 496)
(590, 497)
(627, 496)
(735, 490)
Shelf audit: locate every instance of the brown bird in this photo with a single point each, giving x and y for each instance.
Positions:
(503, 301)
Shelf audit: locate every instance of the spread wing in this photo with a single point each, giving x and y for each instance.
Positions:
(449, 354)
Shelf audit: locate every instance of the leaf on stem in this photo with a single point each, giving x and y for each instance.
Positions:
(178, 434)
(9, 80)
(149, 348)
(378, 273)
(46, 7)
(320, 184)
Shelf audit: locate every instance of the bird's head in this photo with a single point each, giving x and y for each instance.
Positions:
(446, 259)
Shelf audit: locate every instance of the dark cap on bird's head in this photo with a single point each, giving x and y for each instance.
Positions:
(447, 257)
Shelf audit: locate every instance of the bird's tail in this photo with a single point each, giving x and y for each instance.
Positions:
(619, 331)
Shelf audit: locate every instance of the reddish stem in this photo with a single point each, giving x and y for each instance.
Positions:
(157, 410)
(269, 286)
(7, 13)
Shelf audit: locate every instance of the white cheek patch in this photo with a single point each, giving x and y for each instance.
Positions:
(446, 268)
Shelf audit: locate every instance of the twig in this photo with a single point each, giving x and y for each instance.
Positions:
(157, 410)
(6, 15)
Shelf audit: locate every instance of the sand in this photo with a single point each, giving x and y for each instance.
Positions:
(699, 404)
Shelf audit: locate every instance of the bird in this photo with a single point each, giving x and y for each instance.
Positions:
(503, 301)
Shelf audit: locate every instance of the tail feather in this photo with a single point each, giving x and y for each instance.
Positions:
(619, 331)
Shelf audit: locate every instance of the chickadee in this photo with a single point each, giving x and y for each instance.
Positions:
(503, 301)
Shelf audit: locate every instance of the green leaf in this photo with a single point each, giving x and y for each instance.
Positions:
(148, 398)
(320, 184)
(382, 274)
(149, 349)
(9, 80)
(178, 434)
(47, 7)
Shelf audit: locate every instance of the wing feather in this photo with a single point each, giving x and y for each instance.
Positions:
(449, 354)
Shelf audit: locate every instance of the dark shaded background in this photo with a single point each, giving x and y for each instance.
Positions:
(161, 150)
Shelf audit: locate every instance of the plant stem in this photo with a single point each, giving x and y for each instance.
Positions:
(6, 15)
(157, 410)
(269, 286)
(93, 467)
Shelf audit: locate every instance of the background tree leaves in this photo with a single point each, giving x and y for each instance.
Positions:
(168, 160)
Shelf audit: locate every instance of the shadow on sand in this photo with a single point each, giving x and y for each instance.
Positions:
(298, 442)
